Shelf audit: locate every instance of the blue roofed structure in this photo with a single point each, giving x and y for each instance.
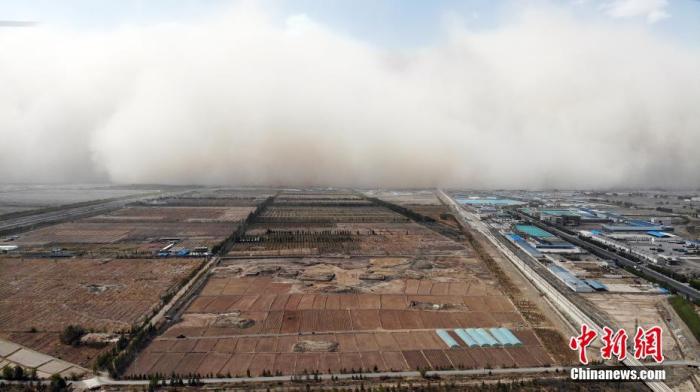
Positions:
(480, 339)
(510, 336)
(597, 286)
(183, 252)
(633, 228)
(558, 245)
(514, 237)
(658, 234)
(524, 245)
(449, 341)
(466, 338)
(498, 334)
(569, 279)
(638, 222)
(489, 339)
(533, 231)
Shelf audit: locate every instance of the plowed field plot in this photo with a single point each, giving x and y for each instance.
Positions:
(359, 213)
(500, 357)
(213, 363)
(190, 363)
(416, 360)
(144, 363)
(394, 360)
(84, 232)
(285, 363)
(238, 364)
(522, 356)
(373, 361)
(350, 361)
(330, 362)
(365, 320)
(461, 359)
(167, 363)
(307, 362)
(330, 281)
(104, 295)
(366, 342)
(211, 202)
(49, 294)
(538, 353)
(262, 362)
(438, 359)
(175, 214)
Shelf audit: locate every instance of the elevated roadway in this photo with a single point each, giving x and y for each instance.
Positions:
(26, 222)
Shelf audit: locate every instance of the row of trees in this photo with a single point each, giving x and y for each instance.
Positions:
(225, 245)
(17, 373)
(116, 360)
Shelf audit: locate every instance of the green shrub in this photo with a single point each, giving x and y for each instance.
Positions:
(71, 335)
(14, 373)
(686, 311)
(695, 283)
(58, 384)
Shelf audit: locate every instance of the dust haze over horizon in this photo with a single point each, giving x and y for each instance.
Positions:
(542, 100)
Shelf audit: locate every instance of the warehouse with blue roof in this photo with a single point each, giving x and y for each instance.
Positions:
(524, 245)
(569, 279)
(533, 231)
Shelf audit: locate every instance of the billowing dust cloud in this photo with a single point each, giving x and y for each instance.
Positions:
(545, 100)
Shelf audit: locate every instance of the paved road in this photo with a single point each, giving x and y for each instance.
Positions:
(184, 290)
(103, 380)
(70, 213)
(577, 315)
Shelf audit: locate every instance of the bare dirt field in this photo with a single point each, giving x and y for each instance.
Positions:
(46, 295)
(106, 233)
(632, 310)
(340, 287)
(176, 214)
(345, 238)
(202, 218)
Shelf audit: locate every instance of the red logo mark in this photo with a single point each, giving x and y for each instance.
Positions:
(648, 344)
(582, 341)
(614, 344)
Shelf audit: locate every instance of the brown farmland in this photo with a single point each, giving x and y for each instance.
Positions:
(327, 281)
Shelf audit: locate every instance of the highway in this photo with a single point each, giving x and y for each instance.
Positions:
(42, 218)
(99, 381)
(576, 315)
(606, 254)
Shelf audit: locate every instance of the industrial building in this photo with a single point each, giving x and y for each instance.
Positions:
(524, 245)
(543, 241)
(569, 279)
(636, 226)
(533, 231)
(561, 217)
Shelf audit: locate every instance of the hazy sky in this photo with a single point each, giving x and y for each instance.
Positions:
(395, 93)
